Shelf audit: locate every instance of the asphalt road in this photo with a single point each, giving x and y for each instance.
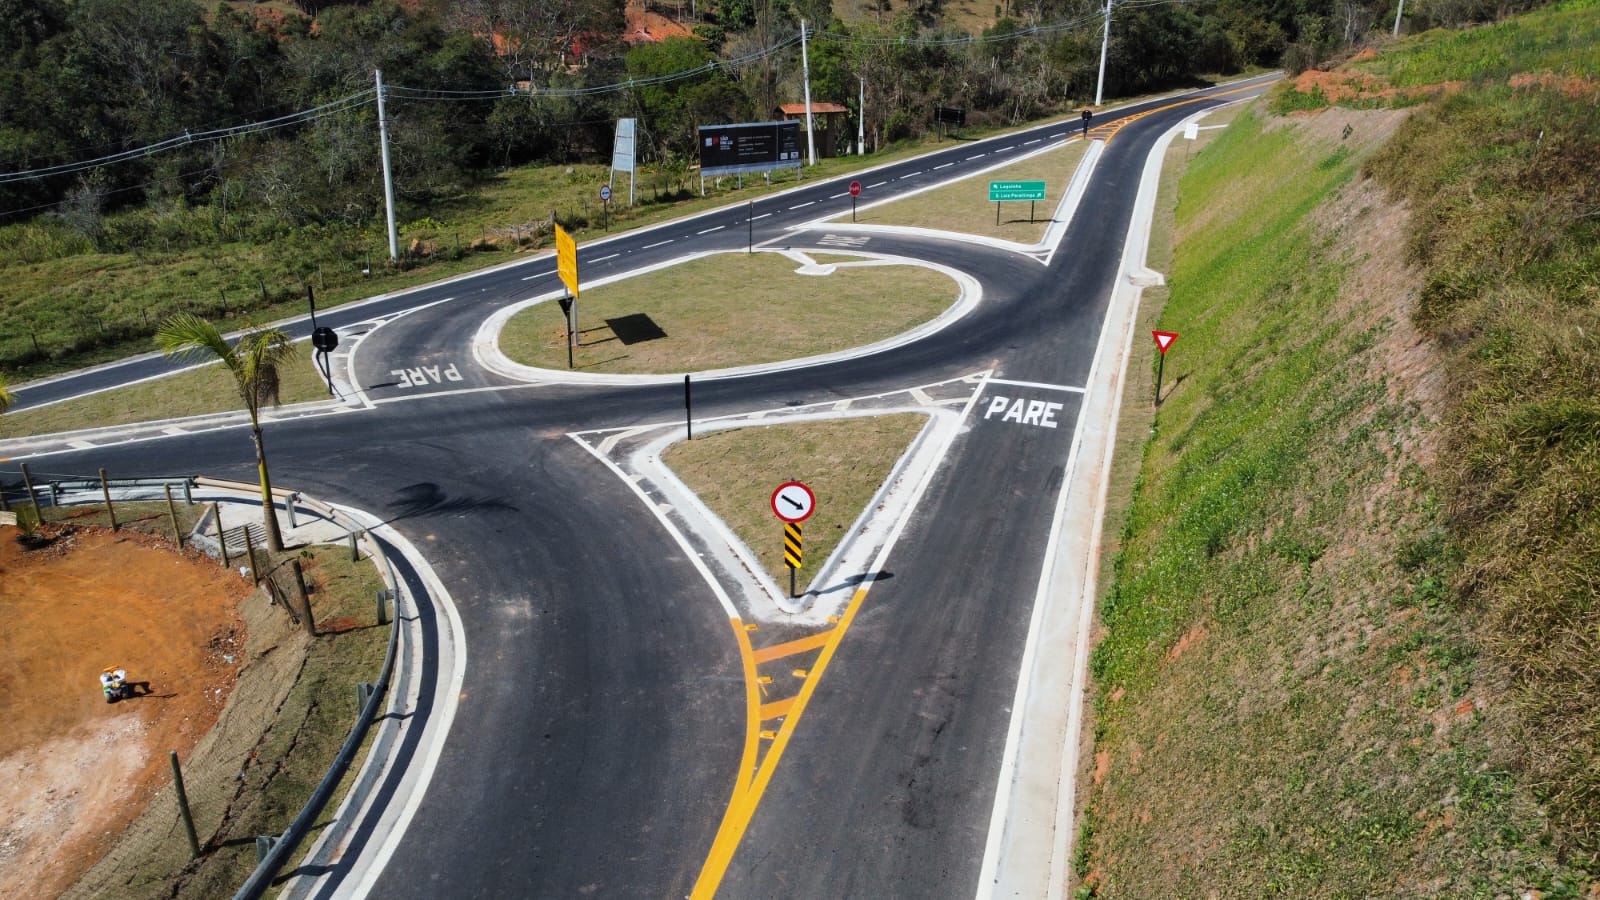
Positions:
(601, 723)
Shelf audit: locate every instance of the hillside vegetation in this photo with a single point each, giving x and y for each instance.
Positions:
(1351, 643)
(265, 175)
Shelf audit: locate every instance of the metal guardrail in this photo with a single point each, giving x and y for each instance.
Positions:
(283, 845)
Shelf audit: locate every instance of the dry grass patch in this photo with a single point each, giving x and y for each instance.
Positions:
(964, 205)
(843, 461)
(730, 309)
(209, 389)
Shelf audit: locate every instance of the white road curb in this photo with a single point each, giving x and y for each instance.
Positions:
(1029, 850)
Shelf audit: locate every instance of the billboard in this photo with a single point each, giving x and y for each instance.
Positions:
(749, 147)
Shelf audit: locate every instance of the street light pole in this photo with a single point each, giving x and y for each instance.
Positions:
(388, 174)
(805, 68)
(1105, 40)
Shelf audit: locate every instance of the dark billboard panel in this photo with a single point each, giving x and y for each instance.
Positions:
(749, 147)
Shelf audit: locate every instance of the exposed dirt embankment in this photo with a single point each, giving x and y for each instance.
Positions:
(74, 770)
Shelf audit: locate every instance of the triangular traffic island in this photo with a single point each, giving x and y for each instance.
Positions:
(844, 462)
(848, 471)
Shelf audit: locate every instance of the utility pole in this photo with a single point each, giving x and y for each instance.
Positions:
(861, 120)
(1105, 40)
(1397, 13)
(805, 68)
(388, 175)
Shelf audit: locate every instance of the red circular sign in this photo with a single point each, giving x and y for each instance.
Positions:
(793, 502)
(855, 188)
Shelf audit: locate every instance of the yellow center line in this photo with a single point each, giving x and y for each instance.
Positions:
(1128, 120)
(790, 648)
(752, 703)
(746, 797)
(776, 708)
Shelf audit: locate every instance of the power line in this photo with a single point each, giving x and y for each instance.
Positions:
(342, 104)
(367, 96)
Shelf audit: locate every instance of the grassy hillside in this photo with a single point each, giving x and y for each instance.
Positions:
(1350, 637)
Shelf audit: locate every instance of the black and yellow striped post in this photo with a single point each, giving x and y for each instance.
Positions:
(792, 552)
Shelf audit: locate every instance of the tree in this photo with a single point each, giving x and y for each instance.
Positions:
(6, 397)
(253, 362)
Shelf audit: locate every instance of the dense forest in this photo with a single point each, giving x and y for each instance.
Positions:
(264, 114)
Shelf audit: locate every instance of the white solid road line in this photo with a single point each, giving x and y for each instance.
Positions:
(709, 230)
(658, 244)
(1038, 384)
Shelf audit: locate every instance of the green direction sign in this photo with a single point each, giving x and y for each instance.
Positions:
(1015, 190)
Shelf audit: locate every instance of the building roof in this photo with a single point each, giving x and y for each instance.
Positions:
(817, 106)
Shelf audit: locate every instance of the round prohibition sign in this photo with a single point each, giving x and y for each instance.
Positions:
(605, 193)
(793, 502)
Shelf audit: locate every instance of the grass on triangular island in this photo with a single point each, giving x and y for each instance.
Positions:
(843, 461)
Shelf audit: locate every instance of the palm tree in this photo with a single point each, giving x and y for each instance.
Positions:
(254, 363)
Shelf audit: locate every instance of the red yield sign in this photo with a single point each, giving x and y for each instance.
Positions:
(1164, 339)
(855, 188)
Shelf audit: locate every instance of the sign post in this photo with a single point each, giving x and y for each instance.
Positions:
(567, 269)
(566, 317)
(793, 502)
(855, 191)
(605, 213)
(1164, 340)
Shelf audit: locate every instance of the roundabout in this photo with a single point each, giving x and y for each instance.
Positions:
(637, 713)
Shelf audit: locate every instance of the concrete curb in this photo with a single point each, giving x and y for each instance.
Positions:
(1029, 850)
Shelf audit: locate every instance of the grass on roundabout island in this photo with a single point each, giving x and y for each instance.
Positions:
(730, 309)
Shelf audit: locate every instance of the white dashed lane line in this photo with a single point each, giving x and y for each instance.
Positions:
(709, 230)
(837, 196)
(658, 244)
(912, 174)
(971, 158)
(945, 166)
(762, 216)
(1032, 142)
(1058, 134)
(879, 184)
(604, 258)
(803, 205)
(537, 275)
